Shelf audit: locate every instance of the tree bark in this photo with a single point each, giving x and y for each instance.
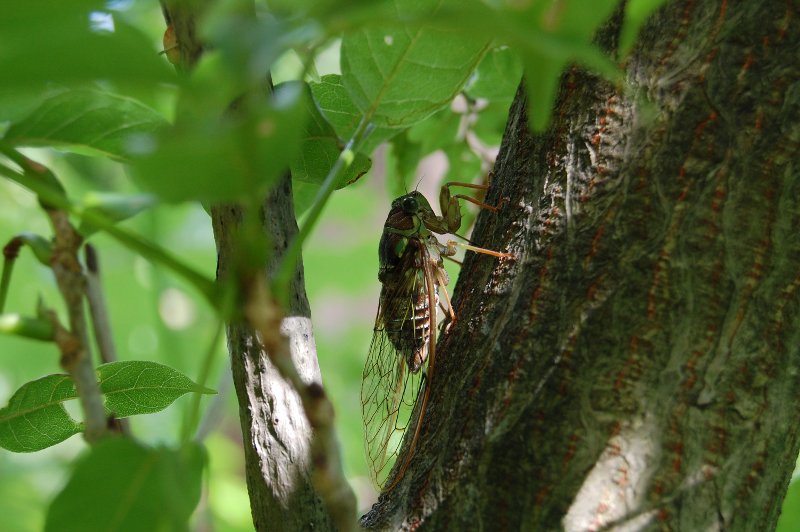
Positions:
(636, 367)
(275, 429)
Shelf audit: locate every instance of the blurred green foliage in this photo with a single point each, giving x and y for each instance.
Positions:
(84, 92)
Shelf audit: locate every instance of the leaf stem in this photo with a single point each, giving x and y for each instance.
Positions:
(290, 259)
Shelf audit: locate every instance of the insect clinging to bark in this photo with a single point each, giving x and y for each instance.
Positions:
(411, 272)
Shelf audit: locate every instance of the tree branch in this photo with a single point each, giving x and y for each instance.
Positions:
(75, 356)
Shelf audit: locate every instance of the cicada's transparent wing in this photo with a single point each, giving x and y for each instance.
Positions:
(389, 390)
(388, 394)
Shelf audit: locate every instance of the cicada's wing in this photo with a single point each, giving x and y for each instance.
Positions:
(389, 390)
(388, 394)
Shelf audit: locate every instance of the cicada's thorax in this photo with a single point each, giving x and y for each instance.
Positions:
(405, 244)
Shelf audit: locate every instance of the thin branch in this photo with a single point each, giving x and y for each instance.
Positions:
(100, 322)
(10, 254)
(327, 474)
(97, 307)
(74, 346)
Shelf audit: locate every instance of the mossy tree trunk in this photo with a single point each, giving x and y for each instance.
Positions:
(637, 365)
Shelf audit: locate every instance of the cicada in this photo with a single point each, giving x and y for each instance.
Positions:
(403, 350)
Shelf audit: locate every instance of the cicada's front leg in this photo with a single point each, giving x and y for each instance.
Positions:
(451, 209)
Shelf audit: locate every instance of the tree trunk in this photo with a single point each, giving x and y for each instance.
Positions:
(636, 367)
(275, 429)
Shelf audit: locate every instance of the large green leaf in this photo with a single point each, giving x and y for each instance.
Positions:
(320, 147)
(72, 41)
(87, 121)
(403, 72)
(497, 76)
(35, 417)
(562, 32)
(636, 14)
(211, 156)
(334, 103)
(122, 485)
(141, 387)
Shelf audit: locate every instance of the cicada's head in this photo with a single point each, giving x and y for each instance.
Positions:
(413, 203)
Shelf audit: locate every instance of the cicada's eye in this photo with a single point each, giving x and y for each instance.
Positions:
(410, 204)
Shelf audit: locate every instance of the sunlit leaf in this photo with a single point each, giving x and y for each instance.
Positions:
(342, 114)
(142, 387)
(400, 73)
(87, 121)
(319, 151)
(124, 486)
(497, 76)
(35, 417)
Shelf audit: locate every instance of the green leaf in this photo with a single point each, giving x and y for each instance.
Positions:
(35, 417)
(115, 207)
(335, 104)
(491, 123)
(401, 73)
(435, 132)
(73, 41)
(542, 75)
(213, 158)
(122, 485)
(402, 159)
(790, 512)
(320, 147)
(142, 387)
(636, 14)
(86, 121)
(497, 76)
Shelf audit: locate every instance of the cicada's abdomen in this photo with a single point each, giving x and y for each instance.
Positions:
(408, 325)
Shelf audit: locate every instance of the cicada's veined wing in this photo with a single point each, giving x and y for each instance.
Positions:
(390, 389)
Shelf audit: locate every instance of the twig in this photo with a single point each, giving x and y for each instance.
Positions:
(327, 474)
(97, 307)
(100, 323)
(75, 356)
(10, 254)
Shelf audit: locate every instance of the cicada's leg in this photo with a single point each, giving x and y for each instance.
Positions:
(485, 251)
(447, 197)
(441, 281)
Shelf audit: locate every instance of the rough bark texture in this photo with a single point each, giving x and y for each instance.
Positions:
(637, 367)
(276, 432)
